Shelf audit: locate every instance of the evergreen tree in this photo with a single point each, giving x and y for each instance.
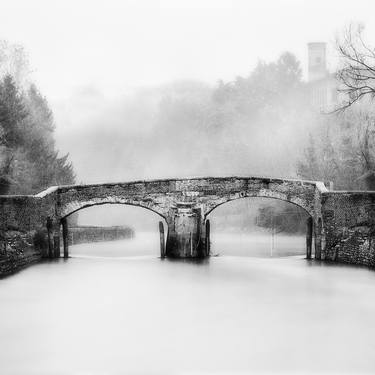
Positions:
(29, 160)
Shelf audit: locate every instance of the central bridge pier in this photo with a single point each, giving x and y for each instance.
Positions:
(186, 232)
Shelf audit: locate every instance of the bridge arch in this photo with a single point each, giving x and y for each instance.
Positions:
(305, 214)
(74, 206)
(63, 212)
(295, 200)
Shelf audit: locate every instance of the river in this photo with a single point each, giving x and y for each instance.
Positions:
(116, 308)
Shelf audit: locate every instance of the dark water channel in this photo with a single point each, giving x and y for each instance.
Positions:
(104, 313)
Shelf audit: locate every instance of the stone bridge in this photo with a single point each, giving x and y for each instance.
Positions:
(341, 223)
(186, 203)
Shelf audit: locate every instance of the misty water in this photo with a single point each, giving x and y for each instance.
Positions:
(116, 307)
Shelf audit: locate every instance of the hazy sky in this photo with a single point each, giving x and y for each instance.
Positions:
(115, 45)
(86, 55)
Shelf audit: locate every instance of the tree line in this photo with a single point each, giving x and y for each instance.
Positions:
(29, 160)
(263, 123)
(338, 145)
(341, 148)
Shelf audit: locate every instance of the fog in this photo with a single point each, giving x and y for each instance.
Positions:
(105, 68)
(117, 45)
(134, 138)
(137, 218)
(152, 89)
(136, 87)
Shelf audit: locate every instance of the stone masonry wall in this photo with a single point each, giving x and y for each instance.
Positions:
(349, 227)
(23, 233)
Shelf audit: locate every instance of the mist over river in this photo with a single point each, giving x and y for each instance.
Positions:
(116, 308)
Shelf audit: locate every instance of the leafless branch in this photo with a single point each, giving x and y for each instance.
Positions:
(357, 74)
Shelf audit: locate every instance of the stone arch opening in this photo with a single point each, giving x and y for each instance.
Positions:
(293, 201)
(277, 226)
(107, 221)
(75, 207)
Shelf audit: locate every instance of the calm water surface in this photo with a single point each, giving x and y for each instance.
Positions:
(104, 313)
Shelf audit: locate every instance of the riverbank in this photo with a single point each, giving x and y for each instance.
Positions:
(24, 249)
(86, 234)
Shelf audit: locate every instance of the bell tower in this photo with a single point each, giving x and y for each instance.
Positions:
(317, 65)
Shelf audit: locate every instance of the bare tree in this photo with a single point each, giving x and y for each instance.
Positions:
(357, 73)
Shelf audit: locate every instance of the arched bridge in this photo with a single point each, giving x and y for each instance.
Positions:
(185, 204)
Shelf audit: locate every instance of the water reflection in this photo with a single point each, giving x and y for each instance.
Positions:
(249, 245)
(229, 315)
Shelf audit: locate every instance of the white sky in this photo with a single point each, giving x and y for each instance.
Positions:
(116, 45)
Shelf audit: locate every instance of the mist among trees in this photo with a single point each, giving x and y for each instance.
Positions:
(254, 125)
(260, 124)
(341, 146)
(29, 161)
